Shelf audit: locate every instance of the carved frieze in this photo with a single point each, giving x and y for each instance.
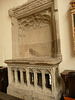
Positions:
(37, 20)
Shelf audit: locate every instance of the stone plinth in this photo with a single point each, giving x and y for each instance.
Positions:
(34, 79)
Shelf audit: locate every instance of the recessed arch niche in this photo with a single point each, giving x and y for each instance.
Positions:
(35, 32)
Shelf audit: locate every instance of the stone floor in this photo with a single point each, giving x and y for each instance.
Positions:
(4, 96)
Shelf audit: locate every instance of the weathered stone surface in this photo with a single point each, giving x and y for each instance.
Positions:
(35, 33)
(28, 91)
(34, 70)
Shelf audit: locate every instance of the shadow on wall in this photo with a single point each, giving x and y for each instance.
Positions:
(70, 32)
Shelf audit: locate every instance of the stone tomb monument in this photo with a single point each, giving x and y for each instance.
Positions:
(33, 71)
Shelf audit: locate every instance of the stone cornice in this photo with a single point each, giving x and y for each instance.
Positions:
(30, 8)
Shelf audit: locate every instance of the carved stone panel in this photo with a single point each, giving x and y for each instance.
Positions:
(35, 35)
(34, 31)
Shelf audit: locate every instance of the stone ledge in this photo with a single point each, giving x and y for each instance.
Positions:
(36, 61)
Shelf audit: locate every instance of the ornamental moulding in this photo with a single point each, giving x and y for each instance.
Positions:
(30, 8)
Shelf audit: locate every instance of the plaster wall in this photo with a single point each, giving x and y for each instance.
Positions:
(5, 29)
(68, 59)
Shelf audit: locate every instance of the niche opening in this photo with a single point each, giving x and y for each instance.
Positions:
(24, 77)
(18, 74)
(39, 79)
(31, 78)
(48, 83)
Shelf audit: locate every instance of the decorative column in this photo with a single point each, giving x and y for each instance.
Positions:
(53, 80)
(21, 76)
(16, 79)
(43, 80)
(35, 78)
(27, 75)
(9, 76)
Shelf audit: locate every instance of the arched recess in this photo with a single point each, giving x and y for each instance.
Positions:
(35, 32)
(31, 76)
